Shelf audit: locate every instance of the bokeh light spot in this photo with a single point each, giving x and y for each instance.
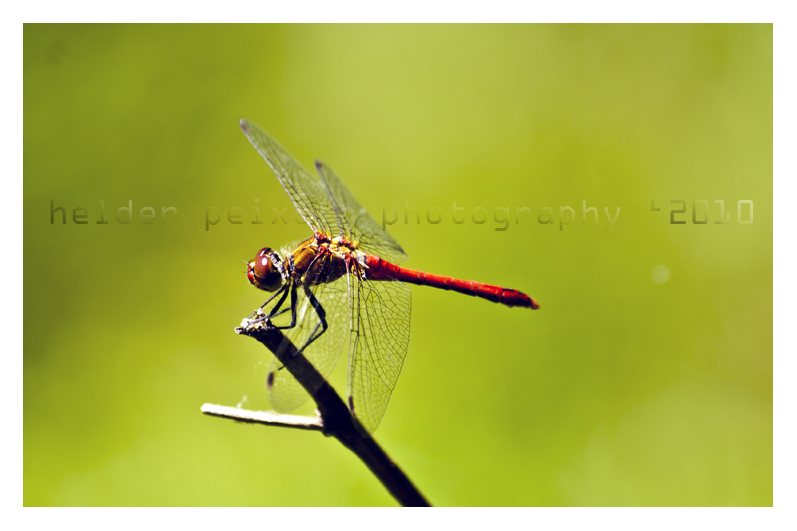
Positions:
(660, 274)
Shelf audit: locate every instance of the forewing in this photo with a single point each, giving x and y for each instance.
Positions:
(379, 340)
(306, 192)
(284, 392)
(356, 223)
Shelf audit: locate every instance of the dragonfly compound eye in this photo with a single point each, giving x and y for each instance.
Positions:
(263, 273)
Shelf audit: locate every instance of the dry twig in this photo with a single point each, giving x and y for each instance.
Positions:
(334, 420)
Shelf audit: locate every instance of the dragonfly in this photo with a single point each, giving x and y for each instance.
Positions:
(343, 282)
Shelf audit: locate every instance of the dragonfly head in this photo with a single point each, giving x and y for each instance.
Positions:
(264, 271)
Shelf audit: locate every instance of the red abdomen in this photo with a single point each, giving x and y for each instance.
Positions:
(379, 269)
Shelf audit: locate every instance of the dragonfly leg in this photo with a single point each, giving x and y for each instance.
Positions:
(280, 302)
(322, 318)
(282, 291)
(292, 308)
(281, 312)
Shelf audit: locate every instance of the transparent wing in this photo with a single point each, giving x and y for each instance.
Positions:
(306, 192)
(355, 223)
(284, 392)
(379, 337)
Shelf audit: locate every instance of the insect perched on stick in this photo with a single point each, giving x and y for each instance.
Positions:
(345, 280)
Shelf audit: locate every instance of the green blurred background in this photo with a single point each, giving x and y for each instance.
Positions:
(621, 390)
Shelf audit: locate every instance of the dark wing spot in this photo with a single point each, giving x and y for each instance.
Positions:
(351, 403)
(270, 381)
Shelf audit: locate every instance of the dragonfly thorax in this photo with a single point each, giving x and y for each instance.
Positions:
(318, 260)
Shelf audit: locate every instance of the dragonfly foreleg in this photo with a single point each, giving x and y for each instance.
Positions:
(281, 312)
(282, 291)
(292, 308)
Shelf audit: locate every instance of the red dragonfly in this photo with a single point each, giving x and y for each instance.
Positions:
(343, 280)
